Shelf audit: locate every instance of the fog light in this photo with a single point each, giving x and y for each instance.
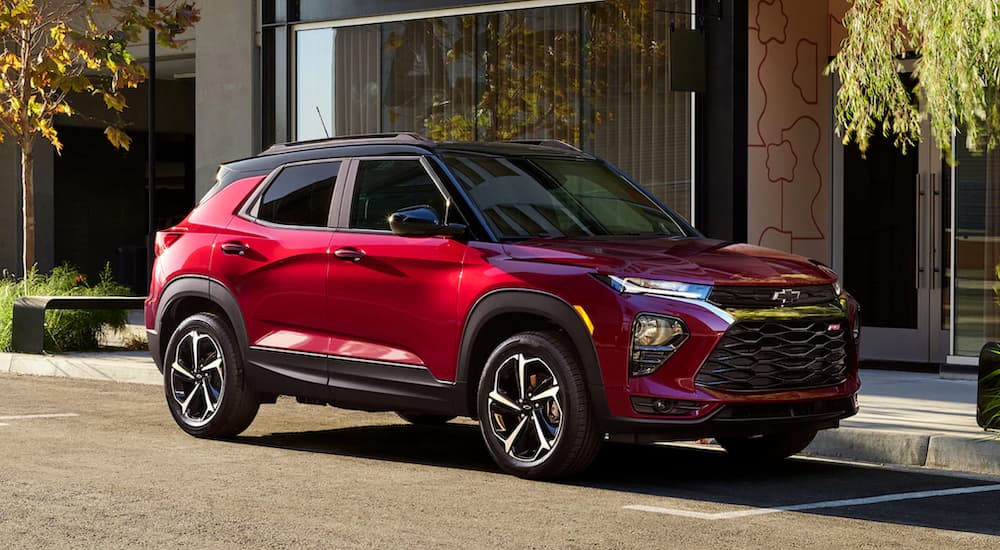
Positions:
(669, 407)
(654, 340)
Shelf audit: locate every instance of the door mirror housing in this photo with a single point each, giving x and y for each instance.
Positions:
(422, 221)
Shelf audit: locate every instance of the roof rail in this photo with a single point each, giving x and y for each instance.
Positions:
(394, 137)
(554, 143)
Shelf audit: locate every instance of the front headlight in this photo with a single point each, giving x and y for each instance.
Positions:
(837, 289)
(672, 289)
(654, 339)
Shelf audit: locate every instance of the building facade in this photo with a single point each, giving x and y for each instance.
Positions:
(720, 107)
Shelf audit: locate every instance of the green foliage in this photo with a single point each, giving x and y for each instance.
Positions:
(996, 285)
(65, 330)
(991, 410)
(957, 48)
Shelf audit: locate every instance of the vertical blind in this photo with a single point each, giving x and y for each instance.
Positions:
(595, 75)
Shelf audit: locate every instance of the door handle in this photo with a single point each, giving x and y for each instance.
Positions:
(920, 229)
(235, 247)
(349, 253)
(935, 269)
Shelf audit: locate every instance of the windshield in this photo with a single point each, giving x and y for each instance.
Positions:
(549, 197)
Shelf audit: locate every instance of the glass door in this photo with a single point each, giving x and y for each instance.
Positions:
(891, 258)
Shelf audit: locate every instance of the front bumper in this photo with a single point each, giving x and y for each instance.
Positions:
(735, 420)
(712, 411)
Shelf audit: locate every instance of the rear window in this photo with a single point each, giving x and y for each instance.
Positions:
(300, 195)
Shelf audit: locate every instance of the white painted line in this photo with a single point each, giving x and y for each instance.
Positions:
(30, 416)
(814, 505)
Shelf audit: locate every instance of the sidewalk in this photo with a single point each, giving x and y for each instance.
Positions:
(914, 419)
(910, 419)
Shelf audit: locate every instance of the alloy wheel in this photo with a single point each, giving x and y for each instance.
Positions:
(525, 412)
(197, 377)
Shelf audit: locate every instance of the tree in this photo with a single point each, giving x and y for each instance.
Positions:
(957, 48)
(53, 49)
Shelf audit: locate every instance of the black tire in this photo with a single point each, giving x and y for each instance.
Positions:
(236, 405)
(420, 419)
(767, 448)
(549, 361)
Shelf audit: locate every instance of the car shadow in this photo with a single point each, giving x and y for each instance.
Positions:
(678, 472)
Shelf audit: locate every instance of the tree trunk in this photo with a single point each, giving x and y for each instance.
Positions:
(28, 207)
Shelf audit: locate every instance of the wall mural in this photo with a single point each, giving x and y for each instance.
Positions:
(789, 127)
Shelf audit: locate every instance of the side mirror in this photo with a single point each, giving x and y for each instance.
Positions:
(422, 221)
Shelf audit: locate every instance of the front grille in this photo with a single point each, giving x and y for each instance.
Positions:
(771, 296)
(758, 356)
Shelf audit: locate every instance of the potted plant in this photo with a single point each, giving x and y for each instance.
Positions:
(988, 402)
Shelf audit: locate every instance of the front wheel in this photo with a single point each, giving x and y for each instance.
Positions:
(767, 448)
(534, 410)
(203, 379)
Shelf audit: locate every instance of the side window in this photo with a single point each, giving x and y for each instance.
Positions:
(385, 186)
(300, 195)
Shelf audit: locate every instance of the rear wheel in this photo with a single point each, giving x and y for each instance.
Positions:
(203, 379)
(425, 419)
(768, 447)
(534, 410)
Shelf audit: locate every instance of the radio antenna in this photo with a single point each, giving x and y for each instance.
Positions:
(320, 115)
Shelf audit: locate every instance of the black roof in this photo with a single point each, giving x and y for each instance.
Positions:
(384, 144)
(526, 147)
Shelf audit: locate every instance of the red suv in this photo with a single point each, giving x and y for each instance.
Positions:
(530, 286)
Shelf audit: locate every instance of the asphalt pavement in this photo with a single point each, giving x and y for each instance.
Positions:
(88, 464)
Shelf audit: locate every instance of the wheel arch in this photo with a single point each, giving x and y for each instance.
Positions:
(502, 313)
(190, 294)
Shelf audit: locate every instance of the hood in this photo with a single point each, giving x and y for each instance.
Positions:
(685, 259)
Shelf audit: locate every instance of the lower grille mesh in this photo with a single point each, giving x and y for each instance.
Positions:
(777, 355)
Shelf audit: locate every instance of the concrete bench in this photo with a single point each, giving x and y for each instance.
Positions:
(29, 315)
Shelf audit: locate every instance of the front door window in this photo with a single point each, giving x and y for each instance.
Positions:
(387, 185)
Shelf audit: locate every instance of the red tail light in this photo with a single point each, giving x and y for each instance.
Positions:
(166, 238)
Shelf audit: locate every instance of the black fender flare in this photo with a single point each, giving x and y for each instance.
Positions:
(542, 304)
(201, 287)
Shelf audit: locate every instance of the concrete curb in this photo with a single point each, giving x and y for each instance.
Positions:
(967, 454)
(882, 447)
(127, 367)
(980, 455)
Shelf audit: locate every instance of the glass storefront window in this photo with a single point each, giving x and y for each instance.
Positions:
(314, 79)
(595, 75)
(977, 250)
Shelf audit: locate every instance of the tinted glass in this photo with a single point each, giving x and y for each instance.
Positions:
(594, 74)
(385, 186)
(524, 198)
(300, 195)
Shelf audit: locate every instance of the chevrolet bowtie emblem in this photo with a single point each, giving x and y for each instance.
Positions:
(786, 296)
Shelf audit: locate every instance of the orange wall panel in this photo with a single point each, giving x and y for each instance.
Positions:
(789, 126)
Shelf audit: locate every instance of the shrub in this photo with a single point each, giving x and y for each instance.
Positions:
(65, 330)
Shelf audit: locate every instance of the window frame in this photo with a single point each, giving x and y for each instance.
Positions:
(251, 209)
(347, 196)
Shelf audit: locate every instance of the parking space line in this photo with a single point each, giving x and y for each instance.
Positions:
(814, 505)
(31, 416)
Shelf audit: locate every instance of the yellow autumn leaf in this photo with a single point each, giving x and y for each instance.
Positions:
(118, 138)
